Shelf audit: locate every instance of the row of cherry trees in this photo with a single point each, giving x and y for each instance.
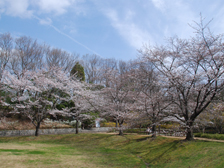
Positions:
(37, 93)
(174, 82)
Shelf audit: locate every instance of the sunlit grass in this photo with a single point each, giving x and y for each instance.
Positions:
(108, 150)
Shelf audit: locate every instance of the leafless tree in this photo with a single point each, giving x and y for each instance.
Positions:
(92, 66)
(28, 55)
(193, 70)
(6, 46)
(106, 66)
(59, 58)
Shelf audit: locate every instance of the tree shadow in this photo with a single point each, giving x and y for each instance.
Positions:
(171, 148)
(142, 139)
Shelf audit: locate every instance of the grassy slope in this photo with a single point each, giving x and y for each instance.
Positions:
(100, 150)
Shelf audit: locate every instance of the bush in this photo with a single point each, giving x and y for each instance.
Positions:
(169, 125)
(108, 124)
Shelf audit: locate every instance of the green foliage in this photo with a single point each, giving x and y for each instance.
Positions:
(5, 108)
(61, 106)
(79, 71)
(90, 122)
(210, 136)
(65, 104)
(170, 125)
(136, 130)
(5, 97)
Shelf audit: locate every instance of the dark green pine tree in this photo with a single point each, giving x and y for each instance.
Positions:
(79, 71)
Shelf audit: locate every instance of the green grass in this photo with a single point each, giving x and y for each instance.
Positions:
(210, 136)
(134, 130)
(107, 150)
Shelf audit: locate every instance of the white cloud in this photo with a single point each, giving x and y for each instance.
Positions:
(57, 7)
(127, 28)
(26, 8)
(159, 4)
(2, 3)
(17, 8)
(178, 14)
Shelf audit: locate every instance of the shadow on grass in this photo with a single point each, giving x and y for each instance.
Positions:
(172, 146)
(142, 139)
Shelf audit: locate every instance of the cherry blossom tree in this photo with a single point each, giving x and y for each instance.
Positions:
(212, 117)
(203, 121)
(36, 94)
(84, 98)
(119, 97)
(193, 70)
(152, 99)
(152, 104)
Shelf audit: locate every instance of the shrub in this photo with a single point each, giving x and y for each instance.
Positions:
(108, 124)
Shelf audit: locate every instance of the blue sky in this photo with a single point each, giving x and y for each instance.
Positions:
(108, 28)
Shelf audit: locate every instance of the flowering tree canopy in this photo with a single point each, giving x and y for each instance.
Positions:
(193, 70)
(36, 94)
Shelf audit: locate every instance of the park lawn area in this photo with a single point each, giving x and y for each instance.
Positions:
(108, 150)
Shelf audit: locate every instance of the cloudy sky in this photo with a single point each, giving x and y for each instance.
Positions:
(108, 28)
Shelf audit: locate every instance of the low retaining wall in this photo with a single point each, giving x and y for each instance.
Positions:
(53, 131)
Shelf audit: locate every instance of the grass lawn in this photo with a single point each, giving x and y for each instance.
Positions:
(108, 150)
(210, 136)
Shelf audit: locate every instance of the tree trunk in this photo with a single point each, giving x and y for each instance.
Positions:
(120, 129)
(154, 130)
(203, 130)
(77, 127)
(121, 132)
(37, 129)
(159, 129)
(189, 131)
(116, 123)
(219, 129)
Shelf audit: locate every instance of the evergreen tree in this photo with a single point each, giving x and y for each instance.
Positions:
(79, 71)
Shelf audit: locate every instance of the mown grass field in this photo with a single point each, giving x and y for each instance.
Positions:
(108, 150)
